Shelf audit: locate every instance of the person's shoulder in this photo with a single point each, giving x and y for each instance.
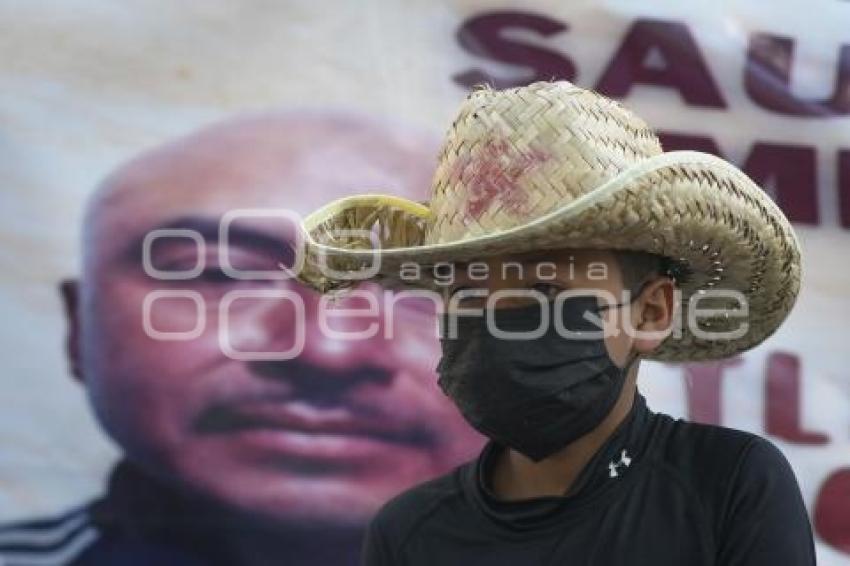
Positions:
(719, 465)
(410, 507)
(705, 459)
(399, 518)
(51, 540)
(744, 487)
(712, 449)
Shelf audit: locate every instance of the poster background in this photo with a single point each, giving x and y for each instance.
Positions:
(85, 85)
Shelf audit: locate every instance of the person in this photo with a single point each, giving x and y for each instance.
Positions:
(230, 458)
(567, 247)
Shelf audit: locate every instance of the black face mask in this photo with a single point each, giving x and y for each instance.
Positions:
(535, 396)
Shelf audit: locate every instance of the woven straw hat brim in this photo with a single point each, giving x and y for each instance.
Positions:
(685, 205)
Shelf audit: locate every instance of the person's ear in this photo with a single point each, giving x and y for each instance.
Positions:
(69, 291)
(654, 318)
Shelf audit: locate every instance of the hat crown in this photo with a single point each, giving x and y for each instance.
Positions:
(514, 155)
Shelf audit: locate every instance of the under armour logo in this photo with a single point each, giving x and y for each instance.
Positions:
(614, 466)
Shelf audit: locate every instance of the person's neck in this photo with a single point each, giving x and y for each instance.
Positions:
(516, 477)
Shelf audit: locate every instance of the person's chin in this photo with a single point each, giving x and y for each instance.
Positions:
(302, 478)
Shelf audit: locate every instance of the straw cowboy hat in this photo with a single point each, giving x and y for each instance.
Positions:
(551, 165)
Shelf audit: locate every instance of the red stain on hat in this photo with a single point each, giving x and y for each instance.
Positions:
(493, 175)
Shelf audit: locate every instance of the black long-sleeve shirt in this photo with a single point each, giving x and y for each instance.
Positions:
(659, 492)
